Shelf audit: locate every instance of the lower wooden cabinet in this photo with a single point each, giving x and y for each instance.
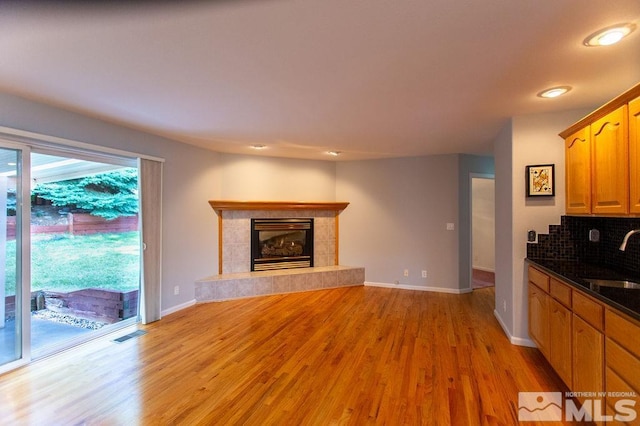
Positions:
(591, 346)
(622, 361)
(539, 318)
(588, 357)
(560, 341)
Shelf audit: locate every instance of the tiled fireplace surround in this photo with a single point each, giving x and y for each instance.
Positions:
(235, 279)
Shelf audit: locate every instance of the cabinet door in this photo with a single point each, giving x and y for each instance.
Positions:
(560, 355)
(622, 375)
(634, 155)
(610, 163)
(588, 357)
(539, 318)
(578, 172)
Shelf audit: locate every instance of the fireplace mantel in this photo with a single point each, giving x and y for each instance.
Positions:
(220, 205)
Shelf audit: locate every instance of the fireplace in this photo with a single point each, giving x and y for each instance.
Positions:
(281, 244)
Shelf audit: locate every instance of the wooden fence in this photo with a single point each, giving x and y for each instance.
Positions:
(79, 224)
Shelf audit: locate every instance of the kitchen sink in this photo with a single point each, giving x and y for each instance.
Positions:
(596, 283)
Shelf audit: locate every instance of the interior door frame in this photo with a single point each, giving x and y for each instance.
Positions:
(472, 176)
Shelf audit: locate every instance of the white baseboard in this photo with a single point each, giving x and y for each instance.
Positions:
(482, 268)
(419, 288)
(179, 307)
(518, 341)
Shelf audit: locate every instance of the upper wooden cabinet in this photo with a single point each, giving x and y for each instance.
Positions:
(610, 163)
(602, 156)
(578, 172)
(634, 155)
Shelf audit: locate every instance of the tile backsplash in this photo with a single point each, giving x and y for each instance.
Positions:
(570, 241)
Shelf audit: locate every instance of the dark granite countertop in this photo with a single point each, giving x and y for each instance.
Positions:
(575, 273)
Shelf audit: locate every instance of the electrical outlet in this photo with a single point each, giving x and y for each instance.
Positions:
(406, 272)
(424, 274)
(450, 226)
(176, 290)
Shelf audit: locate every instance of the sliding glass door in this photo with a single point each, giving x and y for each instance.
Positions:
(70, 250)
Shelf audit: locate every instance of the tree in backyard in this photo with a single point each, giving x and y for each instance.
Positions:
(109, 195)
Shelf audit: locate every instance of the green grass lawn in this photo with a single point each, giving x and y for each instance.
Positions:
(67, 263)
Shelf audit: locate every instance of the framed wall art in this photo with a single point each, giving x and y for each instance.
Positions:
(541, 180)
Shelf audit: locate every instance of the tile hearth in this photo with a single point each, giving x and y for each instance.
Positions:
(235, 280)
(221, 287)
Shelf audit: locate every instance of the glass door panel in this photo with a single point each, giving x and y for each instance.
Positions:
(11, 326)
(85, 250)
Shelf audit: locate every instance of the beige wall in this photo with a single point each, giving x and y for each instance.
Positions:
(246, 177)
(397, 219)
(533, 139)
(503, 153)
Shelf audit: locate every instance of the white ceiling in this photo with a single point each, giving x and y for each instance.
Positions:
(373, 79)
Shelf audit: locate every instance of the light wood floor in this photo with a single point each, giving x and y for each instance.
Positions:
(358, 355)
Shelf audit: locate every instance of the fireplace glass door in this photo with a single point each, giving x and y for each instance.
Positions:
(281, 244)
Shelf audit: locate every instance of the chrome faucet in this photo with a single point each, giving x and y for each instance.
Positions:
(623, 246)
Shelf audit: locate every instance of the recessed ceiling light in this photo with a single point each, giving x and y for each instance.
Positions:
(554, 92)
(258, 146)
(334, 153)
(610, 35)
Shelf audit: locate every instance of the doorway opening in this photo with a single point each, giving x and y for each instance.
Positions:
(482, 231)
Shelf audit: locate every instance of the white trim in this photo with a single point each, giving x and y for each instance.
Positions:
(23, 221)
(13, 365)
(419, 288)
(518, 341)
(179, 307)
(482, 268)
(41, 140)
